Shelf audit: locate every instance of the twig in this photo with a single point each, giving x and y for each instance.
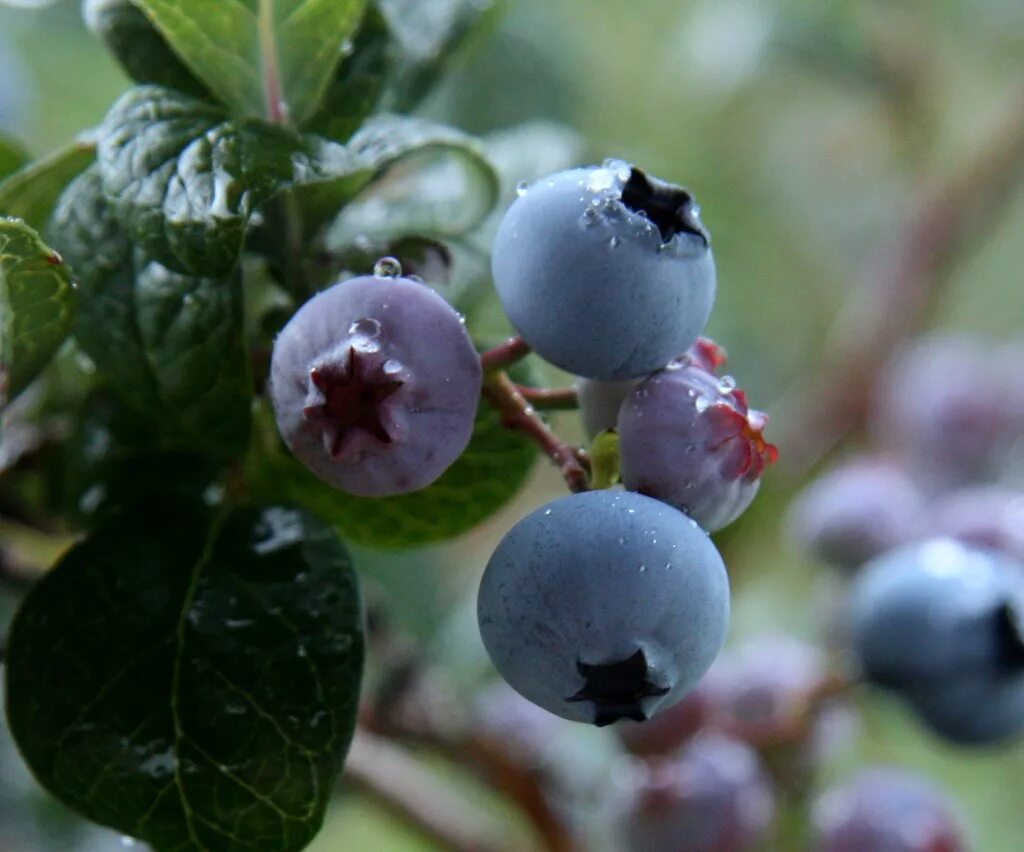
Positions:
(897, 287)
(551, 399)
(501, 392)
(401, 784)
(505, 354)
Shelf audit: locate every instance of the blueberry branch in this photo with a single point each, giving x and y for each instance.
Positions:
(505, 354)
(401, 784)
(898, 287)
(517, 413)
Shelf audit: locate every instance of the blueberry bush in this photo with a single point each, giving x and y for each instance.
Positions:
(370, 478)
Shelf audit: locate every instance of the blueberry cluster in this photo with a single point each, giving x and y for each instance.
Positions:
(610, 605)
(930, 524)
(606, 604)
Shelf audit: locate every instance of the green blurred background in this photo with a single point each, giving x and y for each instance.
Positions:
(808, 130)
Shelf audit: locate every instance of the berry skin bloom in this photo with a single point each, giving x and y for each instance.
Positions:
(603, 606)
(941, 624)
(886, 810)
(375, 385)
(605, 272)
(689, 438)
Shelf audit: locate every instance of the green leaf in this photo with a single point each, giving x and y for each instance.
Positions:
(430, 180)
(358, 83)
(429, 33)
(184, 180)
(32, 192)
(12, 157)
(190, 681)
(138, 46)
(487, 475)
(36, 305)
(604, 459)
(260, 57)
(171, 346)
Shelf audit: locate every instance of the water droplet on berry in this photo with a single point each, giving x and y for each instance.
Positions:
(614, 242)
(601, 180)
(365, 327)
(547, 511)
(590, 217)
(702, 404)
(522, 188)
(387, 267)
(391, 367)
(727, 384)
(643, 569)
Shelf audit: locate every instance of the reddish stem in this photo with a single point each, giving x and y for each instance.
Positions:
(551, 399)
(517, 413)
(505, 354)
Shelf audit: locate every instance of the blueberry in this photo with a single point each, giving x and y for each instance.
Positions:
(670, 728)
(689, 438)
(941, 623)
(947, 404)
(375, 385)
(714, 796)
(857, 511)
(886, 810)
(984, 516)
(605, 272)
(603, 606)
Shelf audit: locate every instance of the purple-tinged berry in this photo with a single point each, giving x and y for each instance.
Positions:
(670, 728)
(857, 511)
(713, 796)
(689, 439)
(886, 810)
(947, 404)
(375, 385)
(605, 272)
(604, 605)
(984, 516)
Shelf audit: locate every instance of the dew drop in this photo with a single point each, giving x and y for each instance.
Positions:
(643, 569)
(727, 384)
(702, 404)
(391, 367)
(547, 511)
(614, 242)
(387, 267)
(522, 188)
(365, 327)
(590, 217)
(601, 180)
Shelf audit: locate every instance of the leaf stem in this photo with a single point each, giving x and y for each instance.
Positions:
(277, 109)
(551, 399)
(505, 354)
(517, 413)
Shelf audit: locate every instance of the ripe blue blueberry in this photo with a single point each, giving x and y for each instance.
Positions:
(712, 796)
(857, 511)
(375, 385)
(941, 623)
(688, 438)
(604, 605)
(605, 272)
(886, 810)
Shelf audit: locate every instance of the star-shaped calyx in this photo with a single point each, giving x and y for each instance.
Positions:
(671, 208)
(349, 391)
(617, 690)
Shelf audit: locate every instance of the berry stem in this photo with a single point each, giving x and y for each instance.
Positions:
(551, 399)
(517, 413)
(505, 354)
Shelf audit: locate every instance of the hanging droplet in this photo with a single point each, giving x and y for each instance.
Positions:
(387, 267)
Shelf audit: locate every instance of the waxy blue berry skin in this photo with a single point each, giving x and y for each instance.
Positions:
(605, 272)
(604, 605)
(942, 624)
(375, 385)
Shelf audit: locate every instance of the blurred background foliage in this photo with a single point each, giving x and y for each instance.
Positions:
(808, 129)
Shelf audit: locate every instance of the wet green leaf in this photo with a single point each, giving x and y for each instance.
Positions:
(170, 345)
(36, 305)
(260, 56)
(192, 681)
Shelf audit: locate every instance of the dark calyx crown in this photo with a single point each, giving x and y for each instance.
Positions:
(671, 208)
(617, 690)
